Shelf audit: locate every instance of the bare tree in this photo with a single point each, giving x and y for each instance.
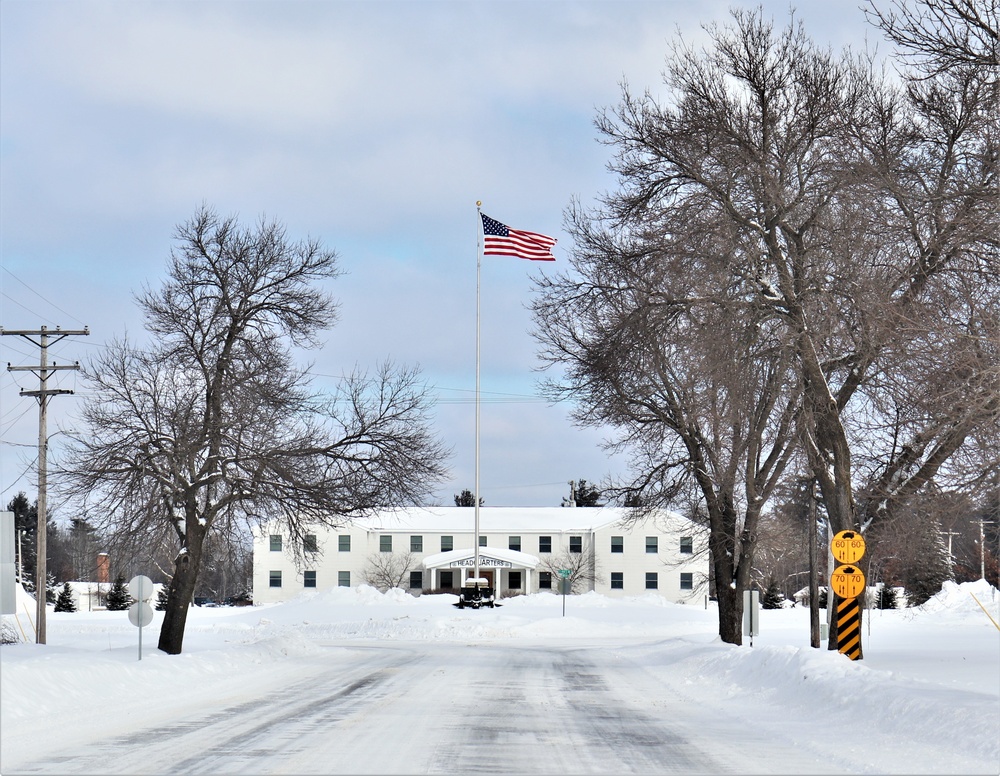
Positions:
(386, 570)
(584, 571)
(212, 423)
(795, 243)
(942, 34)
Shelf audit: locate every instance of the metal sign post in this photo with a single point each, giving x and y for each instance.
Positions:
(751, 613)
(564, 585)
(140, 614)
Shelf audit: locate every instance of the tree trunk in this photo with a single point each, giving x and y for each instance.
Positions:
(182, 586)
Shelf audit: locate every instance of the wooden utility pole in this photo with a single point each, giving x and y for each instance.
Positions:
(814, 632)
(42, 394)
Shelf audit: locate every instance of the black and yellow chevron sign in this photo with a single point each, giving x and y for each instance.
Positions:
(849, 628)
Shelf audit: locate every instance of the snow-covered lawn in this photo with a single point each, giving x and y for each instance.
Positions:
(926, 698)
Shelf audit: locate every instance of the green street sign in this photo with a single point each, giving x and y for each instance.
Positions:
(564, 573)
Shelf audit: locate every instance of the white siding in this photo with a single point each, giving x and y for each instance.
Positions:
(595, 526)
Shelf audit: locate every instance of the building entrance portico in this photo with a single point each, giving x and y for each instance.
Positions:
(495, 565)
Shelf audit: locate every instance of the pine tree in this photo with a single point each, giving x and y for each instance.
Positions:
(886, 598)
(118, 598)
(65, 602)
(773, 597)
(50, 589)
(162, 597)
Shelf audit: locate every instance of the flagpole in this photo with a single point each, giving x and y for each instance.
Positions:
(479, 262)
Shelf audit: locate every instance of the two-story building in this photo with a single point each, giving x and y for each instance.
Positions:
(521, 550)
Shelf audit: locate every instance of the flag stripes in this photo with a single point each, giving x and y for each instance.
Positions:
(500, 240)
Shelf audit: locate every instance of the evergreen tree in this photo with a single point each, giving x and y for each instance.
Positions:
(886, 598)
(773, 597)
(65, 602)
(162, 597)
(118, 598)
(467, 499)
(50, 589)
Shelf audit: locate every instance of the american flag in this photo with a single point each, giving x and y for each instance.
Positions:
(500, 240)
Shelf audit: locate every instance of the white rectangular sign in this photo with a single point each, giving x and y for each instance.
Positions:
(485, 562)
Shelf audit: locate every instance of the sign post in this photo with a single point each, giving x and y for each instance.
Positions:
(140, 614)
(848, 582)
(564, 586)
(751, 613)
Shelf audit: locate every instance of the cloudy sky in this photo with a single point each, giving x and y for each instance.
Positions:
(374, 126)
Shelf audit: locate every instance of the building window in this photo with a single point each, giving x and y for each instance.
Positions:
(308, 579)
(343, 579)
(416, 580)
(344, 543)
(687, 545)
(544, 580)
(416, 544)
(576, 544)
(651, 582)
(447, 543)
(545, 544)
(514, 580)
(687, 580)
(514, 543)
(275, 578)
(275, 542)
(309, 543)
(385, 544)
(652, 545)
(482, 541)
(447, 580)
(617, 580)
(617, 544)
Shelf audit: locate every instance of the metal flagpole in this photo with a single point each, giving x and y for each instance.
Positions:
(479, 262)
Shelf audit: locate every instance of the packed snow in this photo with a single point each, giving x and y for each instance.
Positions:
(925, 699)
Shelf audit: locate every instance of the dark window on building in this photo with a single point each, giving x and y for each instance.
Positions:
(447, 579)
(344, 543)
(482, 541)
(652, 545)
(275, 542)
(514, 580)
(308, 579)
(447, 543)
(514, 543)
(617, 544)
(687, 580)
(274, 578)
(651, 581)
(545, 544)
(416, 580)
(576, 544)
(544, 580)
(617, 580)
(309, 543)
(687, 545)
(343, 579)
(416, 544)
(385, 544)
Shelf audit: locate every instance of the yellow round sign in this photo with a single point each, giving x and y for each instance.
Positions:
(848, 546)
(847, 581)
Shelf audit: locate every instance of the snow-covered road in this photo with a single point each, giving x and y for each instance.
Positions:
(423, 707)
(356, 681)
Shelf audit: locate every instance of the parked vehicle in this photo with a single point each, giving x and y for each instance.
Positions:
(476, 593)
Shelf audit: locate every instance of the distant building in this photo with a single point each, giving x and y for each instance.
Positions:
(521, 550)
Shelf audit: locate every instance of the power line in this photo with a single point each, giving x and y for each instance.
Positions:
(47, 301)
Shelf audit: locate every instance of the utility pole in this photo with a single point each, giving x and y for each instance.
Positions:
(42, 394)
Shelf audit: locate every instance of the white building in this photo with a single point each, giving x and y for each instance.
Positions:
(521, 550)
